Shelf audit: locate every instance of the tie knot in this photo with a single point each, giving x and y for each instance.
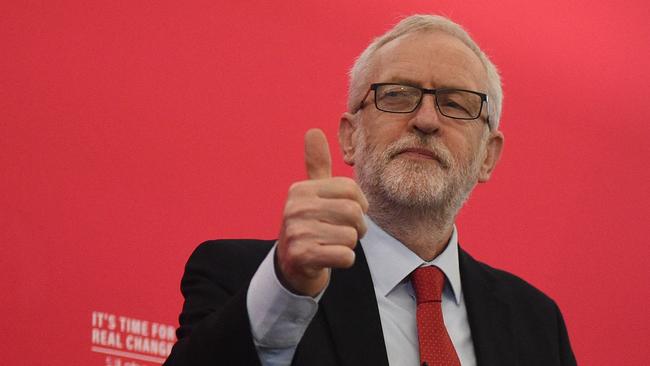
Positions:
(427, 283)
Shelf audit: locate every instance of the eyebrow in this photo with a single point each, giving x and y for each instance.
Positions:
(403, 81)
(411, 82)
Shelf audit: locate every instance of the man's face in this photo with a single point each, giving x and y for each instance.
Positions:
(421, 159)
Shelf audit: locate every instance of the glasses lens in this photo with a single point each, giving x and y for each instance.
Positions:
(397, 98)
(459, 104)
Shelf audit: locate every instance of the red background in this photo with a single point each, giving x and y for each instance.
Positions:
(132, 131)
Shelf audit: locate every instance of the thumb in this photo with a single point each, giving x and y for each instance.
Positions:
(317, 155)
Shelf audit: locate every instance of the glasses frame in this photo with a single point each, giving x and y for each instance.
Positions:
(375, 86)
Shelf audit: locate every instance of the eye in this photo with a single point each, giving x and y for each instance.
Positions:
(454, 105)
(394, 93)
(398, 92)
(397, 98)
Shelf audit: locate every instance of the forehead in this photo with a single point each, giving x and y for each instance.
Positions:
(429, 59)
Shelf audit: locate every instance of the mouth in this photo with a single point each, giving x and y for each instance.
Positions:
(421, 154)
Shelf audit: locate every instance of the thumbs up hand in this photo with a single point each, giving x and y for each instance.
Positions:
(322, 221)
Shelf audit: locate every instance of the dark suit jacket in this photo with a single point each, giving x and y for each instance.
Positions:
(512, 323)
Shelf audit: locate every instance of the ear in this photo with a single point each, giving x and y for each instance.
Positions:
(347, 136)
(493, 148)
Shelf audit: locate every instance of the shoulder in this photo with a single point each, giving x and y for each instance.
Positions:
(237, 259)
(508, 286)
(242, 249)
(532, 316)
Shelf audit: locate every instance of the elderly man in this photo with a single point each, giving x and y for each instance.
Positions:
(370, 272)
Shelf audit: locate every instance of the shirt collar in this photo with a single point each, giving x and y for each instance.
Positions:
(390, 262)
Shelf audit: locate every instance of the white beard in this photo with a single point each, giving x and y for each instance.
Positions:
(393, 182)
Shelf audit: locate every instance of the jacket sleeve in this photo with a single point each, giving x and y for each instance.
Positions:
(214, 326)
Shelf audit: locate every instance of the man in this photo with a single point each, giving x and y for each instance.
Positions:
(420, 131)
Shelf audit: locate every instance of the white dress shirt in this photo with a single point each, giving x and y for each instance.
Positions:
(279, 318)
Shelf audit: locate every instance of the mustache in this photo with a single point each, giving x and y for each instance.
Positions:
(437, 150)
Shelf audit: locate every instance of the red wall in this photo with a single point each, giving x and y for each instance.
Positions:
(132, 131)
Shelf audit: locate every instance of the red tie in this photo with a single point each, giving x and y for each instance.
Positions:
(436, 348)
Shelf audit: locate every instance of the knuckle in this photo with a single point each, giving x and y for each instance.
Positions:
(299, 188)
(298, 207)
(310, 255)
(295, 255)
(351, 209)
(361, 227)
(296, 187)
(289, 206)
(349, 237)
(359, 231)
(353, 236)
(347, 260)
(293, 232)
(362, 230)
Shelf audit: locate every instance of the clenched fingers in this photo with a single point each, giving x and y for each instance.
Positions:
(303, 234)
(342, 212)
(341, 187)
(304, 259)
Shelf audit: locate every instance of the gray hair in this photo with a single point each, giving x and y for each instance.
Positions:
(417, 23)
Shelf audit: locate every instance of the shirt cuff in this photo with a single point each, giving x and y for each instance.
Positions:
(278, 317)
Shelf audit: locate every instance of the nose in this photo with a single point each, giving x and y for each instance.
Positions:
(426, 119)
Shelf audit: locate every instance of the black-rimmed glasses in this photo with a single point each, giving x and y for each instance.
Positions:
(453, 103)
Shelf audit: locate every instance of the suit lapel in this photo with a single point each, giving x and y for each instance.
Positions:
(488, 313)
(350, 308)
